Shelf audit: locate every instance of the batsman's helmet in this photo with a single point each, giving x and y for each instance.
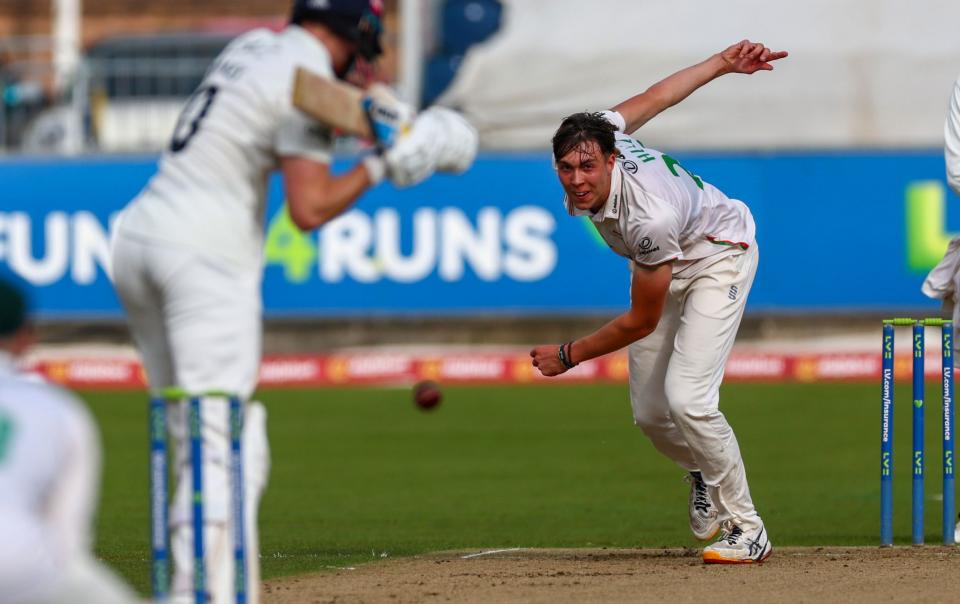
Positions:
(357, 21)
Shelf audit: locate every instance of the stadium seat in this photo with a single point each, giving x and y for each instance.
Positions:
(463, 23)
(467, 22)
(438, 75)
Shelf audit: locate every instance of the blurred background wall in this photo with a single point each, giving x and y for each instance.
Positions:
(863, 73)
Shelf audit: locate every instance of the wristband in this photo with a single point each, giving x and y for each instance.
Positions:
(563, 353)
(376, 168)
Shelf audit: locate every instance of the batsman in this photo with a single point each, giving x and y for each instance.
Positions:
(187, 252)
(693, 256)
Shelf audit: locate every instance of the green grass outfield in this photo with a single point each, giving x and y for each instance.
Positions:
(360, 474)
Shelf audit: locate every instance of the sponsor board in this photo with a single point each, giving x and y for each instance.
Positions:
(511, 367)
(497, 240)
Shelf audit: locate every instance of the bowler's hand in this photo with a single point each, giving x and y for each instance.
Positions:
(749, 57)
(546, 359)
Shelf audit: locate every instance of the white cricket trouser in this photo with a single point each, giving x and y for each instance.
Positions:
(196, 320)
(194, 317)
(950, 302)
(675, 376)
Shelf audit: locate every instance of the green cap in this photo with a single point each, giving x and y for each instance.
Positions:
(13, 308)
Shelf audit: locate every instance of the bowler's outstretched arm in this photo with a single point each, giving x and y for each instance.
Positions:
(743, 57)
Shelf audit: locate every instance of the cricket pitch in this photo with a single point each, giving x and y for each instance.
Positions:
(792, 574)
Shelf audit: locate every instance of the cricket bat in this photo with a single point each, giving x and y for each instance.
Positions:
(331, 102)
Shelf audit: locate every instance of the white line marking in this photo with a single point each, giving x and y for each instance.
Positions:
(493, 551)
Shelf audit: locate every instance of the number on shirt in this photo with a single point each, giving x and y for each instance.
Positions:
(193, 113)
(6, 435)
(673, 164)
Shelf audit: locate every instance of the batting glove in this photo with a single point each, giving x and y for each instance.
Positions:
(389, 116)
(458, 144)
(413, 158)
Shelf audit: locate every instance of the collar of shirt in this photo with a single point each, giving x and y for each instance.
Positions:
(611, 207)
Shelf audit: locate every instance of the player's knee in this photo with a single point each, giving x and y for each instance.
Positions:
(650, 418)
(689, 398)
(687, 404)
(688, 414)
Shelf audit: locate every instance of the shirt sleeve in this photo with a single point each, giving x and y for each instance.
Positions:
(297, 134)
(951, 135)
(615, 118)
(300, 136)
(72, 502)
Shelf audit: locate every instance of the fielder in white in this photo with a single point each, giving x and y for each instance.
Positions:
(693, 256)
(49, 483)
(187, 256)
(943, 282)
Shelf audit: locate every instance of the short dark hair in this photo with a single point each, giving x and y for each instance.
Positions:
(581, 128)
(13, 307)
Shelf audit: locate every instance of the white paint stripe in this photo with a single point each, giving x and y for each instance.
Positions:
(493, 551)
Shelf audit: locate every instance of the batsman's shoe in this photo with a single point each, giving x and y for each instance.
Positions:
(956, 533)
(704, 516)
(738, 547)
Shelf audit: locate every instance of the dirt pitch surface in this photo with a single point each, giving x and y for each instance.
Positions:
(820, 574)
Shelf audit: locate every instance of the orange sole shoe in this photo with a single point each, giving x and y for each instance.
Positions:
(715, 558)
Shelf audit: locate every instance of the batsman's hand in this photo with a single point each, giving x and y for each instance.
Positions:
(439, 139)
(414, 156)
(460, 140)
(546, 359)
(749, 57)
(389, 117)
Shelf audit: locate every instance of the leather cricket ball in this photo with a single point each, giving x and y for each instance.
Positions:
(427, 394)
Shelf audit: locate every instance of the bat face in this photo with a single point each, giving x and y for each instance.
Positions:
(331, 102)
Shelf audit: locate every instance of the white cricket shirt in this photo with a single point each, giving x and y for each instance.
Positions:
(209, 192)
(49, 475)
(657, 211)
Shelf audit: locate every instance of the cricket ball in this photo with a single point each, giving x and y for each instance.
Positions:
(426, 394)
